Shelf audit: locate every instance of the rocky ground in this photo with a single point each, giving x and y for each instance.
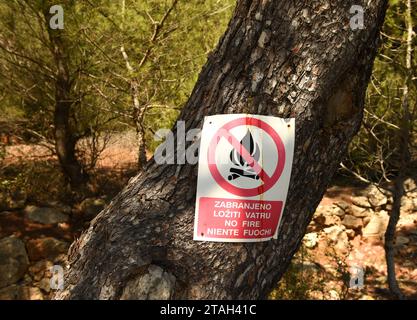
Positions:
(32, 240)
(346, 232)
(347, 235)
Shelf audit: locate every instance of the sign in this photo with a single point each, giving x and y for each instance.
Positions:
(244, 171)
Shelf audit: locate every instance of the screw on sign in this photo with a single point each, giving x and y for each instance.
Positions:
(244, 171)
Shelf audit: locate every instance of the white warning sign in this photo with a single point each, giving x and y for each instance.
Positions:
(244, 171)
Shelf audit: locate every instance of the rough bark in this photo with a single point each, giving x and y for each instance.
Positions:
(285, 58)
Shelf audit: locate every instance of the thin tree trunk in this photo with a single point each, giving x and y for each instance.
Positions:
(65, 140)
(285, 58)
(405, 159)
(138, 109)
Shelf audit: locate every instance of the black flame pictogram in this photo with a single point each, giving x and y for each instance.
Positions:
(244, 169)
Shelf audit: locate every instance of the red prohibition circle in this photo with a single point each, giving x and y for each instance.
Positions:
(268, 182)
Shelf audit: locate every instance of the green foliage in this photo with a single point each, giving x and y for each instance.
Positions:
(165, 53)
(299, 281)
(375, 153)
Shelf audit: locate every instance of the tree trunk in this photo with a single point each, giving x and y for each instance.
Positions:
(65, 140)
(285, 58)
(405, 140)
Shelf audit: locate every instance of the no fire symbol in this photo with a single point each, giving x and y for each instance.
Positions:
(244, 157)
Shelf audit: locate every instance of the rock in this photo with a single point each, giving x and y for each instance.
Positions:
(334, 232)
(338, 236)
(13, 261)
(352, 222)
(359, 212)
(44, 284)
(311, 240)
(336, 210)
(410, 185)
(328, 215)
(20, 293)
(155, 284)
(375, 197)
(408, 205)
(11, 293)
(333, 295)
(366, 221)
(92, 207)
(343, 205)
(327, 220)
(33, 293)
(45, 248)
(62, 207)
(401, 241)
(361, 201)
(376, 226)
(45, 215)
(40, 269)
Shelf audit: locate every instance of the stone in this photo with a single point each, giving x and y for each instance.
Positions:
(410, 185)
(327, 220)
(40, 269)
(361, 201)
(343, 205)
(45, 215)
(336, 210)
(46, 248)
(377, 225)
(33, 293)
(13, 261)
(338, 236)
(154, 284)
(16, 292)
(92, 207)
(62, 207)
(311, 240)
(11, 293)
(334, 295)
(328, 215)
(334, 232)
(359, 212)
(375, 197)
(408, 205)
(366, 221)
(44, 284)
(352, 222)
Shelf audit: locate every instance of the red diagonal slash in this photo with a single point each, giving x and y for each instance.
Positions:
(224, 132)
(240, 148)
